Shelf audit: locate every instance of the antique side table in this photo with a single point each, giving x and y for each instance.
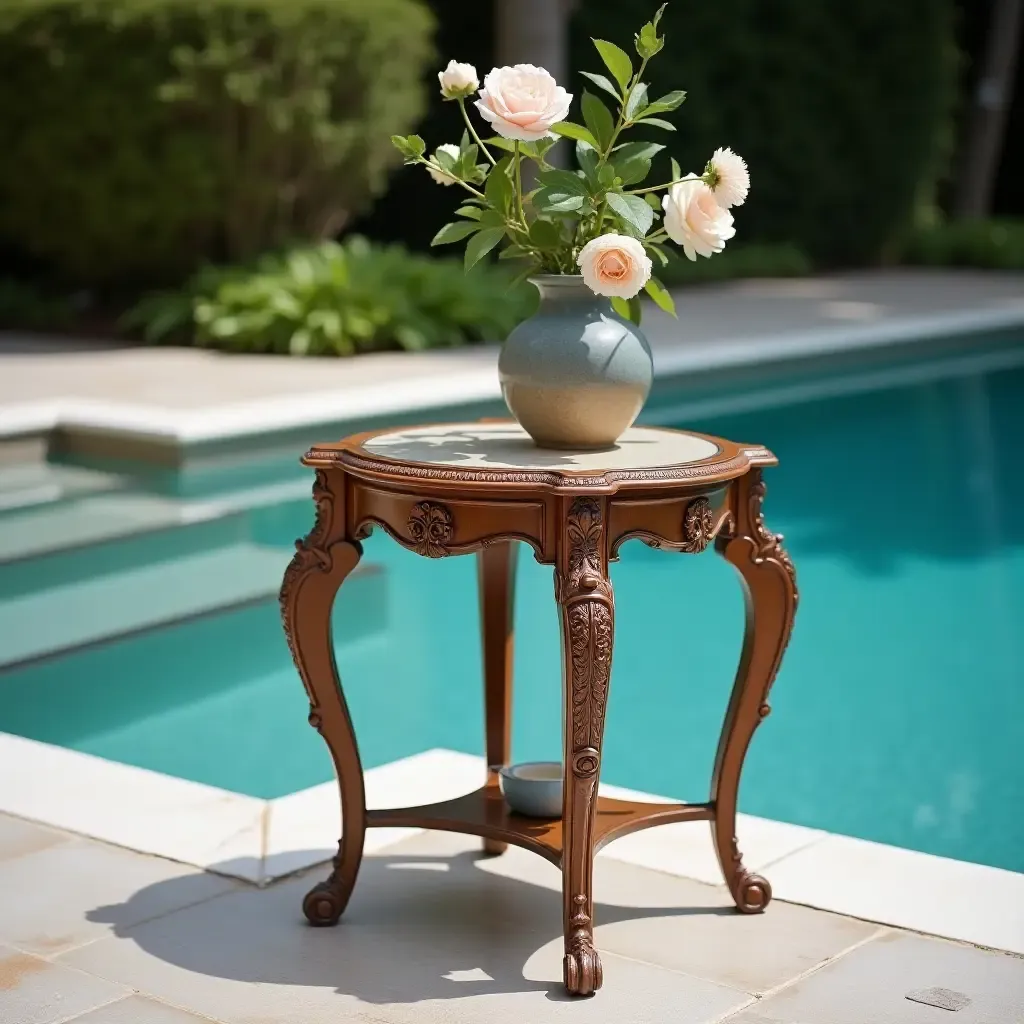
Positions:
(477, 487)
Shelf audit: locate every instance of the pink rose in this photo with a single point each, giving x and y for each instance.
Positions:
(694, 220)
(457, 80)
(522, 102)
(614, 265)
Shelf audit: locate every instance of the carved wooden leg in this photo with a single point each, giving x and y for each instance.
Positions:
(769, 585)
(496, 571)
(584, 593)
(321, 563)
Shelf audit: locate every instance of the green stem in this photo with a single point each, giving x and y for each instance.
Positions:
(656, 188)
(519, 186)
(621, 122)
(464, 184)
(472, 132)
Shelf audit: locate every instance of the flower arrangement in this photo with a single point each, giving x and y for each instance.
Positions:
(599, 220)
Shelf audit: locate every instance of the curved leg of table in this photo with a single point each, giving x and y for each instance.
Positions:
(584, 594)
(769, 585)
(496, 573)
(320, 566)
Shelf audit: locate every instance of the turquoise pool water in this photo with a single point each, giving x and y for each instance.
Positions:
(899, 711)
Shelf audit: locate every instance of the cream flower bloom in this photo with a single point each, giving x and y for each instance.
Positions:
(614, 265)
(522, 102)
(434, 169)
(730, 178)
(694, 220)
(458, 80)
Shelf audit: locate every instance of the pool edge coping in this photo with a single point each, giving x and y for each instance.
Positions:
(275, 415)
(258, 840)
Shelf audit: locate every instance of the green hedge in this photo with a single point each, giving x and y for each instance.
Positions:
(142, 136)
(842, 110)
(992, 244)
(337, 300)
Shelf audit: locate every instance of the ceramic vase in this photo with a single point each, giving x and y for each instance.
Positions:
(575, 375)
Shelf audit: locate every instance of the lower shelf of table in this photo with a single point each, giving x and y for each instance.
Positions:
(485, 813)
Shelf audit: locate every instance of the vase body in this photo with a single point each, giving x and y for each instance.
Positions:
(575, 374)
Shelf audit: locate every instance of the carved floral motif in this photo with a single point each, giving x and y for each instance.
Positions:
(769, 545)
(431, 529)
(698, 526)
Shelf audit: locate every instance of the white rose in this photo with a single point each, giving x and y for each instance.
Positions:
(437, 172)
(614, 265)
(522, 102)
(694, 220)
(458, 80)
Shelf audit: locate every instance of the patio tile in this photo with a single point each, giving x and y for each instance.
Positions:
(59, 898)
(139, 1010)
(871, 985)
(428, 936)
(686, 848)
(19, 837)
(692, 927)
(952, 898)
(33, 991)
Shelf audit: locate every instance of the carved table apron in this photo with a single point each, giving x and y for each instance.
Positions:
(464, 488)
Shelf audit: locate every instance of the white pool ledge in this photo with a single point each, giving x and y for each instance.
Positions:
(260, 840)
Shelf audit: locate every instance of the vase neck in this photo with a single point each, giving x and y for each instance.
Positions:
(559, 289)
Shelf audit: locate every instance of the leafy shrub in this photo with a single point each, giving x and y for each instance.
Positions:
(736, 261)
(142, 137)
(336, 299)
(996, 244)
(842, 110)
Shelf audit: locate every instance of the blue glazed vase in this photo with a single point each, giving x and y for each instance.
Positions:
(575, 374)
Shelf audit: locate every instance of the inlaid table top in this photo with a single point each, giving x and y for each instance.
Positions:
(498, 452)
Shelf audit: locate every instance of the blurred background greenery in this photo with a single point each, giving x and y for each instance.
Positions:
(172, 168)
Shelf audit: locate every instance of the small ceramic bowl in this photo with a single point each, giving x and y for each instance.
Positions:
(533, 788)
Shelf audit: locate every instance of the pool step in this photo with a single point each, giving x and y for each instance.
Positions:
(34, 484)
(83, 612)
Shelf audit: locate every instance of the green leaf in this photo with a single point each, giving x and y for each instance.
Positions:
(628, 309)
(658, 251)
(554, 201)
(481, 244)
(599, 120)
(636, 215)
(664, 104)
(446, 160)
(603, 83)
(570, 130)
(647, 41)
(454, 232)
(657, 14)
(545, 234)
(410, 146)
(466, 164)
(557, 180)
(652, 200)
(637, 101)
(499, 189)
(661, 297)
(586, 157)
(617, 61)
(677, 171)
(658, 123)
(513, 252)
(499, 142)
(473, 212)
(632, 161)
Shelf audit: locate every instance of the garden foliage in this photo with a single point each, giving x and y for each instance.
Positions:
(144, 136)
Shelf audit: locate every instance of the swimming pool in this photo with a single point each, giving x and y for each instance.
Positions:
(899, 711)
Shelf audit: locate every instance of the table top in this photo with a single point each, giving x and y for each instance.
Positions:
(493, 453)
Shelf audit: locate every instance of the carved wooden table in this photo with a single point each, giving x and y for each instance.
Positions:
(464, 488)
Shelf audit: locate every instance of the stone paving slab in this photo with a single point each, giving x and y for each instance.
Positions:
(139, 1010)
(35, 991)
(871, 984)
(71, 893)
(437, 933)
